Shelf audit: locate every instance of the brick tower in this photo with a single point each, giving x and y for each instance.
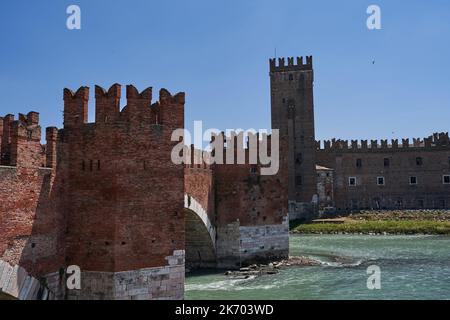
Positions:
(293, 114)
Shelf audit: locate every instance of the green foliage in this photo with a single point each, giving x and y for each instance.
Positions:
(378, 226)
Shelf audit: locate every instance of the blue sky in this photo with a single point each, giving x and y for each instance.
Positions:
(217, 51)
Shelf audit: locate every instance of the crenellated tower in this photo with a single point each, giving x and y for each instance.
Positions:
(292, 107)
(123, 195)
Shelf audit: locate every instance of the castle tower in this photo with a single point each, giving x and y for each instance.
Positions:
(293, 114)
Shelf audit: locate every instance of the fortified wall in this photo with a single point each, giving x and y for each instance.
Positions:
(396, 174)
(247, 209)
(107, 197)
(31, 228)
(103, 196)
(123, 196)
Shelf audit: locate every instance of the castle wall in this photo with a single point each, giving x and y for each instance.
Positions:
(124, 196)
(31, 227)
(252, 213)
(426, 160)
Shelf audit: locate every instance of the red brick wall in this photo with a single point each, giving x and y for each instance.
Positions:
(199, 184)
(31, 232)
(125, 203)
(397, 192)
(252, 198)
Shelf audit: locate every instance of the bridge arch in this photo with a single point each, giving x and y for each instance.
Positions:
(17, 284)
(200, 236)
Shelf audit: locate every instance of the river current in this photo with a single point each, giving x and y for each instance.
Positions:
(412, 267)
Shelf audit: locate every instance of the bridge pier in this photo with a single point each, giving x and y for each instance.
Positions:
(239, 246)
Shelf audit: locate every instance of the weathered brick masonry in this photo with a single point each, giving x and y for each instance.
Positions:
(124, 196)
(412, 174)
(250, 210)
(104, 196)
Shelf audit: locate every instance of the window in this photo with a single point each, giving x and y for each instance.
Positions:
(412, 180)
(386, 162)
(352, 181)
(419, 161)
(446, 179)
(284, 100)
(358, 163)
(298, 180)
(380, 181)
(291, 77)
(299, 158)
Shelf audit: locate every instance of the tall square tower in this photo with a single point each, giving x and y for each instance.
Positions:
(292, 107)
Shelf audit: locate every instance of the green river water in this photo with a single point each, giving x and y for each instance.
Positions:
(412, 267)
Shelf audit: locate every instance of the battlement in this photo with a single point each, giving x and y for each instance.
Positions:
(253, 149)
(291, 64)
(437, 140)
(196, 158)
(20, 141)
(139, 107)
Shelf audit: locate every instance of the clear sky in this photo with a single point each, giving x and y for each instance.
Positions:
(217, 51)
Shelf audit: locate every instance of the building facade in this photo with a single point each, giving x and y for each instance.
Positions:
(410, 174)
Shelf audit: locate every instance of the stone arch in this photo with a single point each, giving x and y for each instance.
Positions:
(17, 284)
(200, 236)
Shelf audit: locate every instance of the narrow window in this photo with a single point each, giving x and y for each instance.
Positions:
(83, 165)
(380, 181)
(298, 180)
(386, 162)
(90, 165)
(358, 163)
(446, 179)
(352, 181)
(98, 165)
(291, 77)
(419, 161)
(412, 180)
(299, 158)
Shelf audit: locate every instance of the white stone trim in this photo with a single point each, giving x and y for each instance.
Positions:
(17, 283)
(198, 209)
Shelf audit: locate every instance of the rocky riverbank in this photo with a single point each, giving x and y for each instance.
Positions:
(272, 268)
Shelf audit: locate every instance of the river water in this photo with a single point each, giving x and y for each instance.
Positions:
(412, 267)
